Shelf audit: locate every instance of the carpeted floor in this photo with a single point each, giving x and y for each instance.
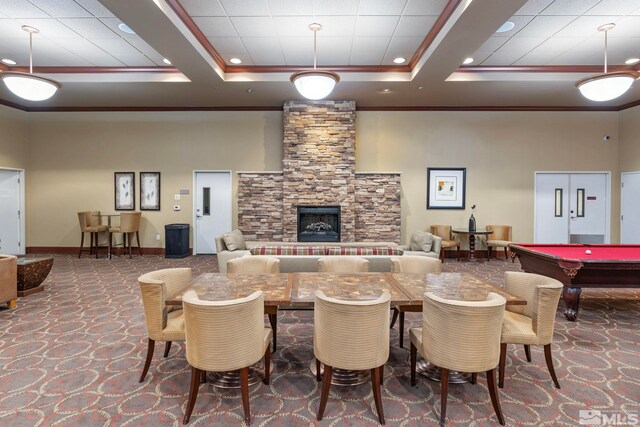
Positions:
(72, 355)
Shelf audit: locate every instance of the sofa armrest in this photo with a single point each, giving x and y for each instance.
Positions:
(225, 256)
(436, 245)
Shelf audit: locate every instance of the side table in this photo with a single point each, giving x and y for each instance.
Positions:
(31, 274)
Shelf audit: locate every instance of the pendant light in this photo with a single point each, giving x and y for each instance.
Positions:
(315, 84)
(29, 86)
(606, 86)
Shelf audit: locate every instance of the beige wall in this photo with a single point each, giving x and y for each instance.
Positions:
(501, 152)
(630, 140)
(72, 157)
(14, 138)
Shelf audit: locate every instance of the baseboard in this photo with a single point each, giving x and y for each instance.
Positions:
(70, 250)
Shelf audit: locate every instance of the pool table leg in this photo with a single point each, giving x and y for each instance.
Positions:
(571, 296)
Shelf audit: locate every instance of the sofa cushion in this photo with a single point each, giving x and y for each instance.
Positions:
(372, 250)
(421, 241)
(288, 250)
(234, 240)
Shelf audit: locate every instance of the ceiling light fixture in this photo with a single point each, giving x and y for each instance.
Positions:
(235, 61)
(399, 60)
(30, 86)
(166, 61)
(315, 84)
(606, 86)
(8, 61)
(124, 27)
(630, 61)
(507, 26)
(467, 61)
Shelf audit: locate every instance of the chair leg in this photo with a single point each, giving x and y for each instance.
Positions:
(324, 396)
(377, 396)
(401, 329)
(318, 374)
(458, 252)
(414, 356)
(244, 385)
(474, 377)
(444, 385)
(381, 369)
(394, 318)
(503, 361)
(488, 253)
(203, 377)
(506, 254)
(167, 347)
(138, 240)
(129, 239)
(96, 243)
(81, 244)
(549, 359)
(493, 392)
(150, 347)
(527, 352)
(267, 365)
(193, 393)
(442, 255)
(110, 243)
(273, 320)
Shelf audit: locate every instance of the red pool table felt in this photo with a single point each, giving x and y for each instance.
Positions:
(598, 252)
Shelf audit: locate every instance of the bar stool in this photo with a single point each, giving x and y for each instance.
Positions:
(90, 223)
(129, 224)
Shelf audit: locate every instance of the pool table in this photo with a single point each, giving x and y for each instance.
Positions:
(606, 266)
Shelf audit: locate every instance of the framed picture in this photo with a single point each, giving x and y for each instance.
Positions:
(446, 188)
(150, 191)
(125, 186)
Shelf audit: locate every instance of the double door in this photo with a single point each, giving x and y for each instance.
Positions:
(572, 207)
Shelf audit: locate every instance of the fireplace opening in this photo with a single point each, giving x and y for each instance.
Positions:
(318, 223)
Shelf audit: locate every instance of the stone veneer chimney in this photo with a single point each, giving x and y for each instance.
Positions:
(319, 170)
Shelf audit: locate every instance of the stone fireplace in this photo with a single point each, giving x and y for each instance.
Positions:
(318, 223)
(319, 170)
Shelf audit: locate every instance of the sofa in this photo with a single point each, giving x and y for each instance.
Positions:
(8, 280)
(303, 256)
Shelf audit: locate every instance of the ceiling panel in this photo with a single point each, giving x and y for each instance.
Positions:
(615, 7)
(371, 26)
(264, 50)
(296, 26)
(585, 26)
(216, 26)
(335, 7)
(89, 28)
(297, 50)
(533, 7)
(254, 26)
(244, 57)
(203, 7)
(424, 7)
(49, 28)
(95, 8)
(545, 26)
(228, 45)
(381, 7)
(21, 9)
(333, 50)
(62, 8)
(569, 7)
(246, 7)
(401, 46)
(291, 7)
(548, 50)
(519, 22)
(368, 50)
(414, 26)
(335, 26)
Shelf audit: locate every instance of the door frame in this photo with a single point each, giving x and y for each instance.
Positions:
(195, 201)
(607, 187)
(23, 212)
(622, 196)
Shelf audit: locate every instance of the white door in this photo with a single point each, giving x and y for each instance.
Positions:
(212, 210)
(630, 209)
(571, 208)
(10, 216)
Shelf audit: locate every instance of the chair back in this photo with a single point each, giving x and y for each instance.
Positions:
(254, 264)
(500, 232)
(542, 294)
(224, 335)
(88, 219)
(155, 288)
(8, 278)
(415, 264)
(442, 231)
(351, 334)
(130, 222)
(462, 335)
(343, 264)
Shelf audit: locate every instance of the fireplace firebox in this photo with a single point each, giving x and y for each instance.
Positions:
(318, 223)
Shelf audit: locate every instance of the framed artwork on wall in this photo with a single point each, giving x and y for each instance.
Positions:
(446, 188)
(150, 191)
(125, 186)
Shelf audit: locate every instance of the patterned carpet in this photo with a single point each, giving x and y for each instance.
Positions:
(72, 355)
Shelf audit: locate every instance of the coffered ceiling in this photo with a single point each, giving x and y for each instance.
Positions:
(534, 65)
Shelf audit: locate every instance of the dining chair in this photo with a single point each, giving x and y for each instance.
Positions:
(444, 232)
(500, 238)
(129, 224)
(533, 323)
(217, 341)
(8, 280)
(351, 335)
(163, 322)
(258, 264)
(90, 223)
(413, 265)
(460, 336)
(343, 264)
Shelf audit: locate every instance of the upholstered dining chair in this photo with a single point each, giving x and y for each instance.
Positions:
(533, 323)
(217, 342)
(500, 238)
(460, 336)
(129, 224)
(444, 232)
(90, 223)
(258, 264)
(351, 335)
(163, 324)
(8, 280)
(343, 264)
(413, 265)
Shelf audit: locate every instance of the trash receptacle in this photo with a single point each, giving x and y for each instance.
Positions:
(176, 237)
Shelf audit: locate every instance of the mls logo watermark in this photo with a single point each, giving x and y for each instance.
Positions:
(596, 417)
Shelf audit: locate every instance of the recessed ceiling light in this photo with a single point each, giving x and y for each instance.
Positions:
(8, 61)
(507, 26)
(235, 61)
(420, 88)
(386, 90)
(399, 60)
(166, 61)
(124, 27)
(630, 61)
(250, 90)
(467, 61)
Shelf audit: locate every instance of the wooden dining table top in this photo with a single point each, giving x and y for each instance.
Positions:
(298, 289)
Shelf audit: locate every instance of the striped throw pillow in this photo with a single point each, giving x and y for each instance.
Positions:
(371, 250)
(288, 250)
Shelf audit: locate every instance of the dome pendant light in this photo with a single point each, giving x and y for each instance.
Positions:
(606, 86)
(315, 84)
(29, 86)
